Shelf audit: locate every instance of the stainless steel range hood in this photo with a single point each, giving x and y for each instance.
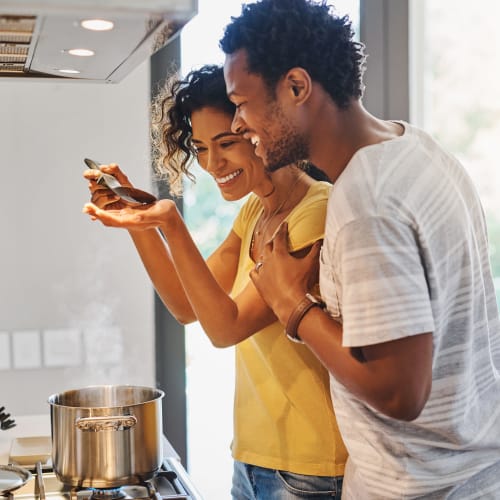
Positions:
(94, 40)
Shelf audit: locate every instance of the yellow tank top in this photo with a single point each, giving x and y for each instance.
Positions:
(283, 415)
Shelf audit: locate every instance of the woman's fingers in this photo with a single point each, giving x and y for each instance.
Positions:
(126, 217)
(111, 169)
(114, 170)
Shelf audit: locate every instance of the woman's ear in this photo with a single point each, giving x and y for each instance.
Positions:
(299, 84)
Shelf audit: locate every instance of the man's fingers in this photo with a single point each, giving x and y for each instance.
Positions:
(315, 250)
(279, 241)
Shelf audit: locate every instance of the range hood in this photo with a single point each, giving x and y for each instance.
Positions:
(92, 40)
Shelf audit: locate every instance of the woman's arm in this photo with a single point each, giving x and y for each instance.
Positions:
(226, 320)
(179, 271)
(157, 261)
(149, 243)
(190, 288)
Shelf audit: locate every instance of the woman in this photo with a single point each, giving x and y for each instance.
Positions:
(286, 442)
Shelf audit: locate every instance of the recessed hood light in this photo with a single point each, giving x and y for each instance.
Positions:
(38, 36)
(97, 24)
(80, 52)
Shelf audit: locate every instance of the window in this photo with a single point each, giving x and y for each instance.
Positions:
(455, 68)
(209, 371)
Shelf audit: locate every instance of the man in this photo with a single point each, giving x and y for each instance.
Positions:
(411, 332)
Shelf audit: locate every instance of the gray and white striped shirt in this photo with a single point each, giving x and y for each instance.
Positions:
(406, 252)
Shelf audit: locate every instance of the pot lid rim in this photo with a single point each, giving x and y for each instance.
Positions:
(18, 477)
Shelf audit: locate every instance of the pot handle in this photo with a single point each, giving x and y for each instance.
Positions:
(96, 424)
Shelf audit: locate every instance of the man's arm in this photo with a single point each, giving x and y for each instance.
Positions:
(393, 377)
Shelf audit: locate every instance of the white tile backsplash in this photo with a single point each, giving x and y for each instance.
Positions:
(62, 347)
(5, 363)
(26, 348)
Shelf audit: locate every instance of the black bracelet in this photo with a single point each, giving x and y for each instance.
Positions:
(298, 314)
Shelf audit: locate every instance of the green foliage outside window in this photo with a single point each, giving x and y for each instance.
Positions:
(208, 216)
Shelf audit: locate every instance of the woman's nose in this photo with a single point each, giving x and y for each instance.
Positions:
(214, 161)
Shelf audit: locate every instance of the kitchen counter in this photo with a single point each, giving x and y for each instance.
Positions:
(39, 425)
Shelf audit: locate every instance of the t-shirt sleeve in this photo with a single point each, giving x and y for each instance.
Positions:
(306, 223)
(385, 294)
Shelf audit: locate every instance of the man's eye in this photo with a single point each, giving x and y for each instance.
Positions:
(227, 144)
(238, 106)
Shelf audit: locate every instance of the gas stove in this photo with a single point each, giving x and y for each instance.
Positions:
(170, 483)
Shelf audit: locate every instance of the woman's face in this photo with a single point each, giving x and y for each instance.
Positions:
(228, 157)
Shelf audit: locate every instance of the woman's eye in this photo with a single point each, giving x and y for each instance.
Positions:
(227, 144)
(238, 106)
(200, 150)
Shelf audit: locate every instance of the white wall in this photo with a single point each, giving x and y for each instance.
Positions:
(58, 269)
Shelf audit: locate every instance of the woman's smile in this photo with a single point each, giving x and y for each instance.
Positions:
(224, 181)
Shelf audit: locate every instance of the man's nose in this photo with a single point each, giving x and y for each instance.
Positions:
(237, 125)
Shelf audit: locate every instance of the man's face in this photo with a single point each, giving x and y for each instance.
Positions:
(266, 119)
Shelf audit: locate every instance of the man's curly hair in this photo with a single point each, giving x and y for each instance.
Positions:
(173, 107)
(278, 35)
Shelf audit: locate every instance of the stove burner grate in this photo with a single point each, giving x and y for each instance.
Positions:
(142, 491)
(169, 483)
(107, 493)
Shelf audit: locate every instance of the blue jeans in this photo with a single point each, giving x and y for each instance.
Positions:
(257, 483)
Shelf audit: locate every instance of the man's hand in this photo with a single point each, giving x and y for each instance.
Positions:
(283, 279)
(394, 377)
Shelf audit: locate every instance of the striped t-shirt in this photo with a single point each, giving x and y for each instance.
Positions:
(405, 253)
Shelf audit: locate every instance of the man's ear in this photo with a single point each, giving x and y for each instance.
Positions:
(298, 82)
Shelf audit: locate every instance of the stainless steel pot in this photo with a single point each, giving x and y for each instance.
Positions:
(106, 436)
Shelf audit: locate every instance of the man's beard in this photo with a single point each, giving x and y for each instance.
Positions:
(288, 149)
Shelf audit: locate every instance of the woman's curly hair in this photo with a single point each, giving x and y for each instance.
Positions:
(282, 34)
(173, 107)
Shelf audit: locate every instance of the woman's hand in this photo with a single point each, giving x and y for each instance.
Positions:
(101, 195)
(140, 218)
